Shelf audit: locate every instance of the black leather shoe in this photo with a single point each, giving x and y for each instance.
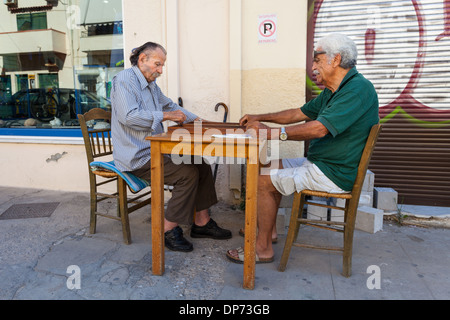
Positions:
(174, 240)
(210, 230)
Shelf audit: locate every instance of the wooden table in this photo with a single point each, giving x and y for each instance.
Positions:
(201, 140)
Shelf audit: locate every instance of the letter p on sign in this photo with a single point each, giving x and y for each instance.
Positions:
(267, 28)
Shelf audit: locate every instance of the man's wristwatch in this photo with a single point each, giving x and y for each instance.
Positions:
(283, 134)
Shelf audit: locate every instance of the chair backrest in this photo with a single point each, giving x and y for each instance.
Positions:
(365, 159)
(96, 141)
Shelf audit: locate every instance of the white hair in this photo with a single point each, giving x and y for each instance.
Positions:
(336, 43)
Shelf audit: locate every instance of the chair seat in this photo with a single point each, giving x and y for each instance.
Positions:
(104, 173)
(135, 183)
(323, 194)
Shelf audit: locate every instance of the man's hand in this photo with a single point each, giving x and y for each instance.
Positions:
(248, 118)
(260, 130)
(177, 116)
(254, 127)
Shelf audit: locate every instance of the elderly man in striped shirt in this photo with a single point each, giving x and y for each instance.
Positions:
(138, 110)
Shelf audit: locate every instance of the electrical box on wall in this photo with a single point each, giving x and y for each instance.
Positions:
(10, 2)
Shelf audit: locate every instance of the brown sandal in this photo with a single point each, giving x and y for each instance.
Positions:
(240, 258)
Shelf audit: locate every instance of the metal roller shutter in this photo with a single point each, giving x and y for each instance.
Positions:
(404, 49)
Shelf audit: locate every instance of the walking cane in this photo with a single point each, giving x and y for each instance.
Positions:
(216, 108)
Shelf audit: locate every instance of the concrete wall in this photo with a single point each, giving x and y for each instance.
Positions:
(44, 166)
(273, 74)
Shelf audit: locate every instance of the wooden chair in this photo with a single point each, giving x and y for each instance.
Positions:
(351, 204)
(98, 144)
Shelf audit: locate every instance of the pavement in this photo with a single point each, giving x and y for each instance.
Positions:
(55, 258)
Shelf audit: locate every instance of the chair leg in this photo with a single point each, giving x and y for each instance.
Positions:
(93, 196)
(118, 198)
(93, 216)
(297, 207)
(123, 207)
(348, 240)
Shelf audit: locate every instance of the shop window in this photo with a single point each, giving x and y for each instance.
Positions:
(22, 81)
(48, 80)
(43, 89)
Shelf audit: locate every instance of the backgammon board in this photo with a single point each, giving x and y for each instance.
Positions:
(200, 127)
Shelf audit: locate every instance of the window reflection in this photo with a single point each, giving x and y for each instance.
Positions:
(57, 59)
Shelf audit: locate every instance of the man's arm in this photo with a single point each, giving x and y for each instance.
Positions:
(300, 132)
(282, 117)
(173, 111)
(306, 131)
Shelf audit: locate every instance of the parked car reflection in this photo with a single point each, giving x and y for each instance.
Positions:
(46, 104)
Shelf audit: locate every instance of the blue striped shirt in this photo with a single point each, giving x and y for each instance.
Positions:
(137, 112)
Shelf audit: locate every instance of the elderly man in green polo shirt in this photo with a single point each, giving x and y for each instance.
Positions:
(340, 119)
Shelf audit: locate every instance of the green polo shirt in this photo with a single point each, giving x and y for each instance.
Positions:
(348, 114)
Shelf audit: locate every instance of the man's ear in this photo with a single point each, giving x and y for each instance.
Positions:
(142, 57)
(337, 60)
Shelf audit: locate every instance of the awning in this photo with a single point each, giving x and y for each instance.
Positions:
(100, 11)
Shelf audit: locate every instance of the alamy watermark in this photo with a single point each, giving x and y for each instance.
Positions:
(224, 146)
(73, 17)
(374, 280)
(74, 280)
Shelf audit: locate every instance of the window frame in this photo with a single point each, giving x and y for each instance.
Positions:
(32, 16)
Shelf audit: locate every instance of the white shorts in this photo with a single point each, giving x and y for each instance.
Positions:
(299, 174)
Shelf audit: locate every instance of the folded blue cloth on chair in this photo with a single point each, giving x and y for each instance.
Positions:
(135, 183)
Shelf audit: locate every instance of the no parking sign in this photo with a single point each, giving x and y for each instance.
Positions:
(267, 28)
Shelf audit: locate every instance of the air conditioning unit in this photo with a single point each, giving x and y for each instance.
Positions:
(10, 2)
(53, 3)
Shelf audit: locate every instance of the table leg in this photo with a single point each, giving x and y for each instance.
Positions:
(157, 186)
(250, 221)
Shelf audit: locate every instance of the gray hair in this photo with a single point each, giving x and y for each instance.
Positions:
(336, 43)
(146, 48)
